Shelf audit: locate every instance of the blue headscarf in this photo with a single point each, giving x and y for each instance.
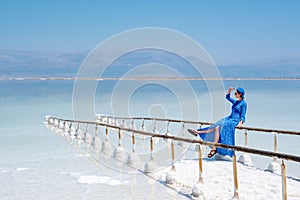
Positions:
(241, 91)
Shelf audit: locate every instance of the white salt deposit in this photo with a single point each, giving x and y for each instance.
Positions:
(83, 155)
(22, 169)
(218, 181)
(92, 179)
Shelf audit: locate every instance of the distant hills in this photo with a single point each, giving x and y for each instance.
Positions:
(36, 63)
(61, 64)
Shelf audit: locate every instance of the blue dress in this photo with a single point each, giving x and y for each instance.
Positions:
(227, 126)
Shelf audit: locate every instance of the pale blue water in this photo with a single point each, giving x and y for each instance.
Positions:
(35, 163)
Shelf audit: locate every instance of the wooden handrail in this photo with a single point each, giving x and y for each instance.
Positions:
(208, 123)
(182, 139)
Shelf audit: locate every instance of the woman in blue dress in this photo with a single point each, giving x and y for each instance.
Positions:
(223, 130)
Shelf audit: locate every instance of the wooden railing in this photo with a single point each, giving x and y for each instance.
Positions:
(109, 122)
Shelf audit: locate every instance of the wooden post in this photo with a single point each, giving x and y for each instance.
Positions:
(182, 134)
(235, 178)
(133, 143)
(173, 155)
(154, 127)
(151, 144)
(151, 147)
(143, 124)
(116, 122)
(168, 127)
(119, 137)
(283, 180)
(58, 126)
(106, 134)
(246, 138)
(200, 164)
(96, 132)
(275, 146)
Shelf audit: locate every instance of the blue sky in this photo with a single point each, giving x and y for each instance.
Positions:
(231, 31)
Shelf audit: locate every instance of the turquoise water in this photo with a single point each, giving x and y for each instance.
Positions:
(37, 164)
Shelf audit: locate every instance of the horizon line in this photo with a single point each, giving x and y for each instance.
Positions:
(150, 78)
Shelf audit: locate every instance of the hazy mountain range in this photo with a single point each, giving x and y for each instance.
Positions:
(47, 64)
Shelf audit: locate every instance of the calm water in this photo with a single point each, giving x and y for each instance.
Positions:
(37, 164)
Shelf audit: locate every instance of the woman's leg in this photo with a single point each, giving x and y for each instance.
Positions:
(216, 136)
(216, 130)
(206, 131)
(213, 150)
(196, 132)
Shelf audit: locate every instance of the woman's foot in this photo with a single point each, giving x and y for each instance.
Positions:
(212, 153)
(193, 132)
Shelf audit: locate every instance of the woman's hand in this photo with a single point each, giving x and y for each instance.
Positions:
(230, 89)
(240, 124)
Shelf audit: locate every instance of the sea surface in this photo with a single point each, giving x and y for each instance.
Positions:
(35, 163)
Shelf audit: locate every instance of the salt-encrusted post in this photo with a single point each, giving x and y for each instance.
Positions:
(133, 124)
(275, 145)
(171, 176)
(246, 138)
(245, 158)
(119, 153)
(168, 133)
(200, 163)
(133, 143)
(235, 178)
(197, 190)
(133, 159)
(283, 180)
(182, 134)
(87, 138)
(106, 133)
(150, 166)
(151, 147)
(119, 138)
(274, 166)
(106, 146)
(143, 125)
(96, 142)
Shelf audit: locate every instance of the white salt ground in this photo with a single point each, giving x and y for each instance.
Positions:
(100, 180)
(22, 169)
(218, 180)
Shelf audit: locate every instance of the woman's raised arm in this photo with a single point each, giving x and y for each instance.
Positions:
(228, 95)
